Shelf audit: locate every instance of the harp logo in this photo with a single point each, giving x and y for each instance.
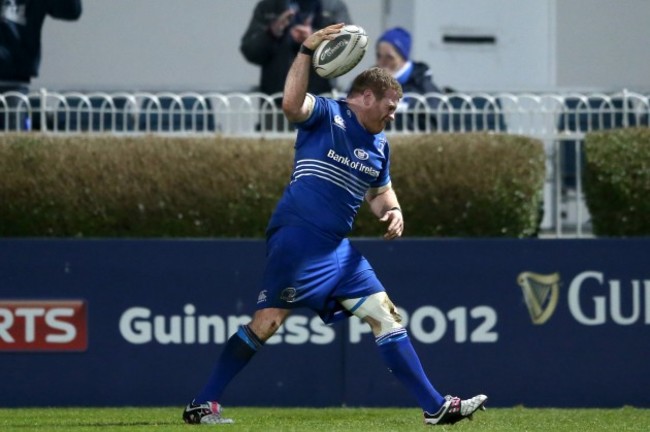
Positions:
(541, 294)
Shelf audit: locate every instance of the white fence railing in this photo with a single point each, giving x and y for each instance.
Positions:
(559, 120)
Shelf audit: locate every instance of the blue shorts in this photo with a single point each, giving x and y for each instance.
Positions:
(305, 268)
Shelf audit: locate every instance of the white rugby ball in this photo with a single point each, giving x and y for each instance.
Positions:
(340, 55)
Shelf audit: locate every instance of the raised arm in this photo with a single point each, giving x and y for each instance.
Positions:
(64, 9)
(295, 103)
(264, 33)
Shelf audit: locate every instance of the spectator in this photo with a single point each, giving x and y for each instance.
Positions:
(276, 31)
(393, 54)
(273, 38)
(21, 22)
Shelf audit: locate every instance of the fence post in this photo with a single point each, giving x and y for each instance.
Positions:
(43, 110)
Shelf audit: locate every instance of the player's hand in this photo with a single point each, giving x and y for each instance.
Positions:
(395, 222)
(327, 33)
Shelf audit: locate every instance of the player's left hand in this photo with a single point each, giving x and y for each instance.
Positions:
(395, 224)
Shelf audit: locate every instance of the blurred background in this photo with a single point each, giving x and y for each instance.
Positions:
(471, 45)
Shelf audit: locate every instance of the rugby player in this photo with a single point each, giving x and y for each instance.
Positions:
(341, 159)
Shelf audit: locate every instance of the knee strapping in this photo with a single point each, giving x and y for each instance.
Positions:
(378, 311)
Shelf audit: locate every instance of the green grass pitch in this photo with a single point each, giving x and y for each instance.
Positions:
(322, 419)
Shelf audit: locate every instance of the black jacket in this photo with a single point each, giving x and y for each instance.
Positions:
(275, 56)
(21, 22)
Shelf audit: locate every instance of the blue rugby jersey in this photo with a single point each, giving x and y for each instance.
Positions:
(336, 162)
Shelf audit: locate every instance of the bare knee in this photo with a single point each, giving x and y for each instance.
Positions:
(267, 321)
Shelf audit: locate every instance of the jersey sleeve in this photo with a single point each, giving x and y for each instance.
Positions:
(383, 180)
(318, 114)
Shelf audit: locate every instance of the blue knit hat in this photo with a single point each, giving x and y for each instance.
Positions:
(400, 39)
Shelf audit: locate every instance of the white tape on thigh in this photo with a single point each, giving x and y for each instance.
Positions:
(377, 307)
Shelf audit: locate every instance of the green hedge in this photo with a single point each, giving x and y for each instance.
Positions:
(617, 181)
(107, 186)
(466, 185)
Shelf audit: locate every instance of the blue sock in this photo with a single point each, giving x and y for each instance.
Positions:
(240, 348)
(401, 359)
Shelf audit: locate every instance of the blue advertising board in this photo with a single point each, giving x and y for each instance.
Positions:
(558, 323)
